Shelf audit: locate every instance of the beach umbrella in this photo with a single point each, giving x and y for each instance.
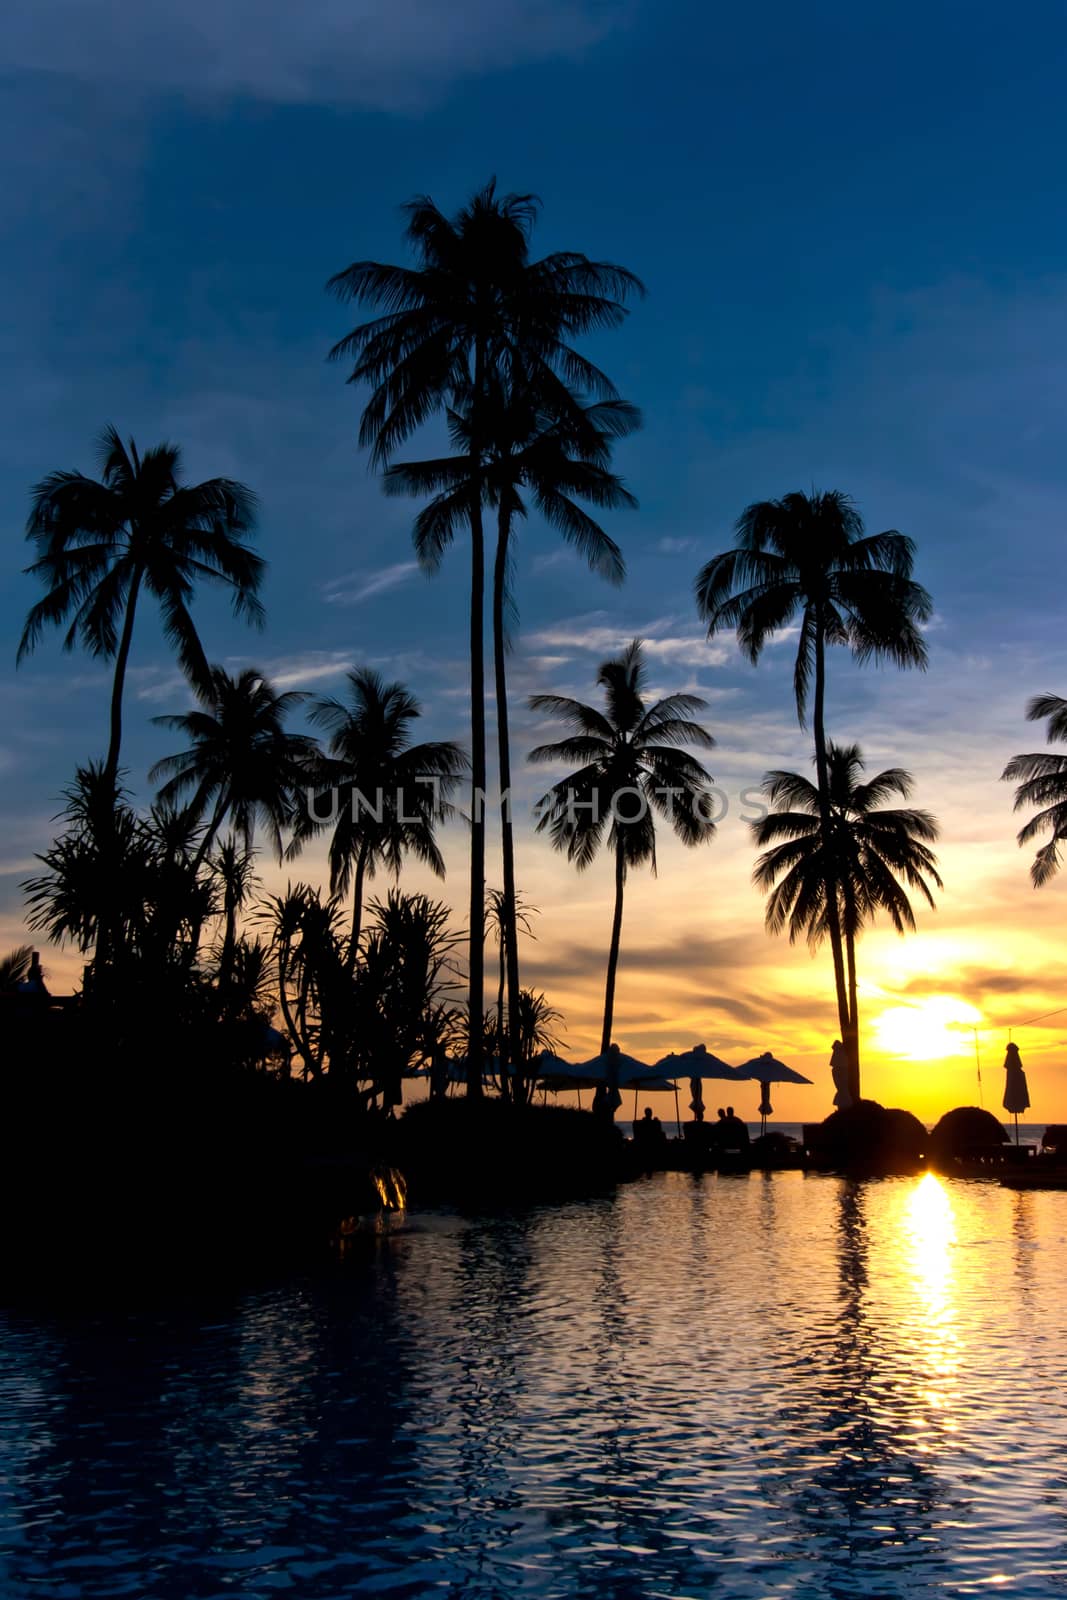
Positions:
(654, 1084)
(1016, 1094)
(695, 1064)
(615, 1070)
(554, 1073)
(765, 1070)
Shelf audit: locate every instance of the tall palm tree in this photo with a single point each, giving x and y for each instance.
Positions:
(101, 541)
(554, 461)
(873, 851)
(1042, 781)
(471, 308)
(806, 559)
(387, 795)
(632, 770)
(242, 762)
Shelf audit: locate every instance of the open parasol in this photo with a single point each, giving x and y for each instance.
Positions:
(696, 1064)
(766, 1069)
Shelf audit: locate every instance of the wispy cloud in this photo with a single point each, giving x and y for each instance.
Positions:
(675, 547)
(391, 54)
(354, 587)
(662, 638)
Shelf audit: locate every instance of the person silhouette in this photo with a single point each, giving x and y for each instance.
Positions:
(736, 1130)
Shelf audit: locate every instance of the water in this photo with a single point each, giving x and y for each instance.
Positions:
(746, 1386)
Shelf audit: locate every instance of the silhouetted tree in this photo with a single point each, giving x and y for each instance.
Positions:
(873, 852)
(532, 455)
(234, 866)
(386, 795)
(471, 310)
(242, 763)
(111, 868)
(1042, 781)
(500, 913)
(15, 968)
(806, 560)
(630, 771)
(100, 542)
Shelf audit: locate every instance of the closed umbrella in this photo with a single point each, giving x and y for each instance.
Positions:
(765, 1069)
(1016, 1094)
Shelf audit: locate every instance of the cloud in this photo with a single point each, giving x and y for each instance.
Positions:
(355, 587)
(386, 54)
(675, 547)
(661, 643)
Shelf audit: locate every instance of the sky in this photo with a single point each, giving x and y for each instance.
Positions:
(851, 224)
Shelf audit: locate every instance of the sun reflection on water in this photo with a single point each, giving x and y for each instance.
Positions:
(931, 1235)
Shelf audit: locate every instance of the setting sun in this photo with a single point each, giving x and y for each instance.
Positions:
(930, 1030)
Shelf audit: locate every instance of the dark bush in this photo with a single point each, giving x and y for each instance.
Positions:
(963, 1131)
(868, 1137)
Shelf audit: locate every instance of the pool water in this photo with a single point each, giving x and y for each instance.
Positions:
(715, 1386)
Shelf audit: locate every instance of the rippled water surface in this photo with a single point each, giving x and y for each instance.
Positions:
(756, 1386)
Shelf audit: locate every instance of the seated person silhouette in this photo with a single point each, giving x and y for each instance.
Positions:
(648, 1133)
(735, 1133)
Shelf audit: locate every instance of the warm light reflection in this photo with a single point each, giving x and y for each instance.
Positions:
(931, 1233)
(930, 1030)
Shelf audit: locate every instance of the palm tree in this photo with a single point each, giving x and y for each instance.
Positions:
(555, 460)
(628, 750)
(499, 913)
(871, 849)
(1042, 781)
(15, 968)
(387, 794)
(234, 866)
(471, 308)
(806, 559)
(242, 762)
(101, 541)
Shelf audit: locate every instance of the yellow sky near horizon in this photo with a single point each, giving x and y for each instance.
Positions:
(697, 965)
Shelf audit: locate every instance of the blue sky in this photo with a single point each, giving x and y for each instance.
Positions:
(851, 223)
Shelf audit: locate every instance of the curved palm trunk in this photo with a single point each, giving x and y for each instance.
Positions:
(118, 683)
(229, 945)
(613, 952)
(357, 904)
(833, 908)
(212, 829)
(509, 920)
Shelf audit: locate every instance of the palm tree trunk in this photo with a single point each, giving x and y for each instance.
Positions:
(854, 1018)
(476, 958)
(106, 942)
(500, 986)
(212, 829)
(357, 904)
(833, 916)
(509, 928)
(853, 1041)
(613, 952)
(118, 683)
